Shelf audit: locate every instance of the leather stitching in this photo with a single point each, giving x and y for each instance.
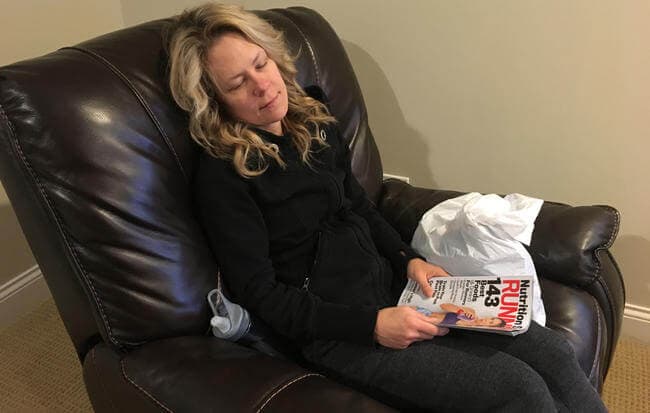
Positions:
(58, 222)
(311, 50)
(143, 391)
(140, 99)
(608, 244)
(605, 246)
(617, 223)
(598, 336)
(610, 240)
(615, 310)
(284, 386)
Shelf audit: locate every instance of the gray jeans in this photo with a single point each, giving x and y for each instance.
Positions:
(466, 372)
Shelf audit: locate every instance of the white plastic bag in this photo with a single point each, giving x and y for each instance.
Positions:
(478, 234)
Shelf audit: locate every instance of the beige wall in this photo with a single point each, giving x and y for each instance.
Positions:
(34, 27)
(31, 28)
(542, 98)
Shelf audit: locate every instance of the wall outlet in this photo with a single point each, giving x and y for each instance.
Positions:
(401, 178)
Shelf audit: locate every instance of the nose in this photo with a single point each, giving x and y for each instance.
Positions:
(260, 85)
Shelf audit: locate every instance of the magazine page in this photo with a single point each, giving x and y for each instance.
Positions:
(501, 305)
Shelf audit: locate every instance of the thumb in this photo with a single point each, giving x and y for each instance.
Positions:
(426, 288)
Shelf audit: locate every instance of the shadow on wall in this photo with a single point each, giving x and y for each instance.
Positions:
(404, 151)
(632, 252)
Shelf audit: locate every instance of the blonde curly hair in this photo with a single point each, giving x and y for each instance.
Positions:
(188, 39)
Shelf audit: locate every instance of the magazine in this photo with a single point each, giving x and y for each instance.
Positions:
(501, 305)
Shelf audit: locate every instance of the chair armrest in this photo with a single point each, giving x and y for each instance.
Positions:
(570, 246)
(403, 205)
(198, 373)
(567, 241)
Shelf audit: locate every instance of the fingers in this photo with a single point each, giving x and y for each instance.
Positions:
(423, 281)
(426, 333)
(398, 327)
(421, 335)
(426, 327)
(438, 272)
(421, 271)
(427, 290)
(419, 327)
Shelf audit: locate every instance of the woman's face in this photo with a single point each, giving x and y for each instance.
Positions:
(249, 82)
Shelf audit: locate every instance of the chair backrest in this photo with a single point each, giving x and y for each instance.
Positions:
(96, 160)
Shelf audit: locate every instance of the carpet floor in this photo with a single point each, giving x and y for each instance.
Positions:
(40, 371)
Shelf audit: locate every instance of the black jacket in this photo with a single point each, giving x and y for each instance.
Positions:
(303, 249)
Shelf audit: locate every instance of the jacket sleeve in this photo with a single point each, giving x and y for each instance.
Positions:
(238, 237)
(386, 238)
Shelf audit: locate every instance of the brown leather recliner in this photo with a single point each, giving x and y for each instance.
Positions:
(97, 162)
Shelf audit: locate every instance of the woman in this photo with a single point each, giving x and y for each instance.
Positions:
(300, 245)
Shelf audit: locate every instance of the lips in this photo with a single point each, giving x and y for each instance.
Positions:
(270, 102)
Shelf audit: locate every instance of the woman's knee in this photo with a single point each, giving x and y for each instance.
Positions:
(525, 390)
(560, 346)
(545, 346)
(504, 384)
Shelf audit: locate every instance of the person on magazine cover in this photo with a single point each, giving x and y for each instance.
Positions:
(461, 316)
(300, 245)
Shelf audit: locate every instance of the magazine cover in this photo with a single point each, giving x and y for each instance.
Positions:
(501, 305)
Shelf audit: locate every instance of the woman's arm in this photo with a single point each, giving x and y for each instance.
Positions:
(386, 238)
(238, 237)
(404, 260)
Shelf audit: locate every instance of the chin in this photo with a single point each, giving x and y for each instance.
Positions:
(281, 112)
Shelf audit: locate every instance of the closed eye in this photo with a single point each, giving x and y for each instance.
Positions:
(260, 61)
(235, 87)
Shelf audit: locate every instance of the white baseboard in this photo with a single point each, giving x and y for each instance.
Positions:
(22, 294)
(401, 178)
(636, 322)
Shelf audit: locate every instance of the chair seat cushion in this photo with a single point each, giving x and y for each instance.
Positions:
(196, 373)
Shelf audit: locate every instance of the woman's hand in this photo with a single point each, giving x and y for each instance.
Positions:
(398, 327)
(421, 271)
